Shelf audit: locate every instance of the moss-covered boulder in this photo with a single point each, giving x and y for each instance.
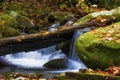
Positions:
(100, 48)
(57, 64)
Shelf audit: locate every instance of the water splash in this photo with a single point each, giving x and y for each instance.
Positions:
(54, 27)
(35, 59)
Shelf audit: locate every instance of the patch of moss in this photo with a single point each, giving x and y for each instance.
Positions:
(15, 6)
(103, 14)
(7, 20)
(60, 16)
(10, 32)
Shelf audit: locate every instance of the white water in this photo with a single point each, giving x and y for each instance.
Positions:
(72, 53)
(35, 59)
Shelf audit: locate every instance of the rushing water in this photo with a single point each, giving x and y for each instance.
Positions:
(26, 61)
(36, 59)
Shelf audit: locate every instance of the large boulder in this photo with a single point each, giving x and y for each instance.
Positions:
(100, 48)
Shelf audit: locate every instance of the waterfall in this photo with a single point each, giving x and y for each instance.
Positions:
(72, 53)
(74, 59)
(54, 27)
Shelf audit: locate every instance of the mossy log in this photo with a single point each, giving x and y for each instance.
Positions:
(85, 76)
(40, 40)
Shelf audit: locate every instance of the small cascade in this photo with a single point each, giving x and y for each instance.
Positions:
(35, 59)
(72, 53)
(74, 59)
(54, 27)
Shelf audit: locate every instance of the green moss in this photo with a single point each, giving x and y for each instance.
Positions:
(10, 32)
(61, 16)
(15, 6)
(7, 20)
(99, 48)
(63, 6)
(83, 19)
(104, 14)
(8, 26)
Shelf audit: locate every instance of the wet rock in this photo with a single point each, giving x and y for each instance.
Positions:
(10, 32)
(64, 46)
(100, 48)
(57, 64)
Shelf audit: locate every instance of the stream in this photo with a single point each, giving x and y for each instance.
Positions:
(33, 61)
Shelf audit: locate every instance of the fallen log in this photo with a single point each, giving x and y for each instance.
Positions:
(36, 41)
(88, 76)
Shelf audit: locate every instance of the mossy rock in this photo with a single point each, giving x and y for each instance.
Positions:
(10, 32)
(100, 48)
(101, 14)
(57, 64)
(8, 26)
(60, 16)
(24, 23)
(7, 20)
